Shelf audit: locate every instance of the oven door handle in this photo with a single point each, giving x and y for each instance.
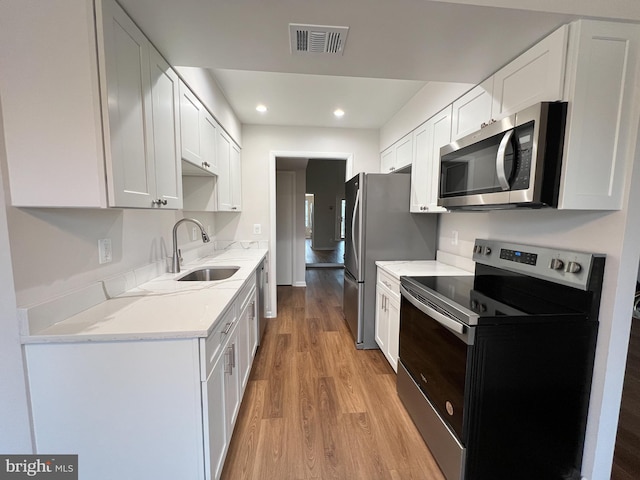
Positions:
(443, 320)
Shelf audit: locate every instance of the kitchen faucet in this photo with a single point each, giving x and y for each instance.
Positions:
(175, 262)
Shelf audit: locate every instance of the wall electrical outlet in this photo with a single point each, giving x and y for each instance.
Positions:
(105, 254)
(454, 237)
(257, 229)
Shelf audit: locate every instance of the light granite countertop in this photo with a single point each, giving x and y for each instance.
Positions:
(158, 309)
(445, 265)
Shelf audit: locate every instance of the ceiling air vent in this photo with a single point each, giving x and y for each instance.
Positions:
(317, 39)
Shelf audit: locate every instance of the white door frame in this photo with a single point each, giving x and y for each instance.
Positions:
(273, 154)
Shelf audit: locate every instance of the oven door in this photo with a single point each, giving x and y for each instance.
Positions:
(435, 350)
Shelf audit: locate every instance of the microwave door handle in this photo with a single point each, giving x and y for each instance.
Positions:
(437, 316)
(500, 157)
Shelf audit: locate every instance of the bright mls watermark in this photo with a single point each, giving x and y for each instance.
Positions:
(50, 467)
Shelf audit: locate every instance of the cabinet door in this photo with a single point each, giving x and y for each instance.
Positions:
(130, 164)
(404, 152)
(209, 136)
(214, 419)
(440, 135)
(535, 76)
(244, 347)
(393, 319)
(165, 95)
(231, 384)
(472, 109)
(191, 110)
(223, 182)
(387, 160)
(236, 178)
(425, 172)
(602, 117)
(420, 169)
(382, 324)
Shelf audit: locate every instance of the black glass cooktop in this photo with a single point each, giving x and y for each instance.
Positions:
(494, 296)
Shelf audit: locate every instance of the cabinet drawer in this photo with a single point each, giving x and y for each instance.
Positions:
(390, 282)
(214, 343)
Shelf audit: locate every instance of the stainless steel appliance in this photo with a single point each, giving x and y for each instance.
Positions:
(495, 369)
(378, 227)
(515, 162)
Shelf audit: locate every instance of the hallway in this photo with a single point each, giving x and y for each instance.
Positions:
(315, 407)
(323, 257)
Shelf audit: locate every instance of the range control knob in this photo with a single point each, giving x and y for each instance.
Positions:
(477, 249)
(556, 264)
(573, 267)
(486, 250)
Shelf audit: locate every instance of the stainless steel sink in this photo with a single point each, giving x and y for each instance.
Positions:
(209, 274)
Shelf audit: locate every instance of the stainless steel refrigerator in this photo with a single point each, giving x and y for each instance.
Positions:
(378, 226)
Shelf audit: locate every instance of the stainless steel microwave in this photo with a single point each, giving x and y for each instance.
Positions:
(515, 162)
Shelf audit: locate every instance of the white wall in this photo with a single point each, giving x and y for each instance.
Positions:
(429, 100)
(260, 141)
(15, 430)
(55, 251)
(261, 145)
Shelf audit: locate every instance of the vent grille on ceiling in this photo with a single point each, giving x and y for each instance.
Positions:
(317, 39)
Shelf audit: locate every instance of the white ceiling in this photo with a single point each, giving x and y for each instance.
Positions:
(393, 48)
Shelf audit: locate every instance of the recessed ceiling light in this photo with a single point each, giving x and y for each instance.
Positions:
(261, 108)
(338, 112)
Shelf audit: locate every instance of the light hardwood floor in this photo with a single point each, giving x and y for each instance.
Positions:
(315, 407)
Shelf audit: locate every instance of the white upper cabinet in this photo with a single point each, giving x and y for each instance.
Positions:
(128, 119)
(472, 110)
(199, 132)
(165, 101)
(397, 156)
(387, 160)
(425, 171)
(228, 190)
(100, 90)
(602, 88)
(535, 76)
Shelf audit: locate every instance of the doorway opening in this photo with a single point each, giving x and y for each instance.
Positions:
(325, 180)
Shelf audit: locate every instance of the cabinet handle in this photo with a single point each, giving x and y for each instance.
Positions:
(227, 328)
(206, 164)
(233, 356)
(234, 208)
(228, 368)
(159, 202)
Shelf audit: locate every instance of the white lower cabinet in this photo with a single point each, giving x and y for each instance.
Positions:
(213, 392)
(387, 331)
(161, 409)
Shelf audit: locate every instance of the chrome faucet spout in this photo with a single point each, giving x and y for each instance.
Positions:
(175, 259)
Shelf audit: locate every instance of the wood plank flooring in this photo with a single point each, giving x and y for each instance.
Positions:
(317, 408)
(324, 256)
(626, 459)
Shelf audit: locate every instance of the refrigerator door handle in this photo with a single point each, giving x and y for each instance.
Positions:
(353, 229)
